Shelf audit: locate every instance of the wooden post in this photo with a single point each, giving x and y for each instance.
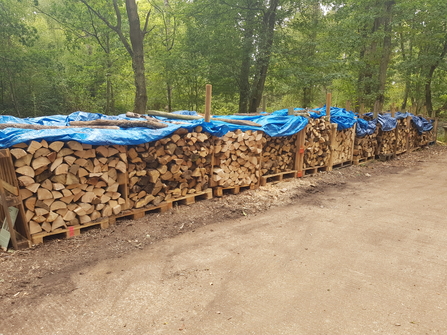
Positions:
(393, 110)
(362, 108)
(264, 104)
(290, 111)
(328, 104)
(348, 105)
(208, 102)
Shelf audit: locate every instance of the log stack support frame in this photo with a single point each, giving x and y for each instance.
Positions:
(317, 141)
(342, 153)
(315, 149)
(280, 158)
(236, 160)
(10, 197)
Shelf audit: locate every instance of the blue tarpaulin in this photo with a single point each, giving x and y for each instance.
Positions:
(272, 125)
(365, 127)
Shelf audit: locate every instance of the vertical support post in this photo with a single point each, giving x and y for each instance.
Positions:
(362, 108)
(393, 109)
(299, 155)
(348, 105)
(208, 102)
(290, 111)
(328, 104)
(264, 103)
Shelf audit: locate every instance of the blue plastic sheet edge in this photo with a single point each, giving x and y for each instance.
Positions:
(272, 125)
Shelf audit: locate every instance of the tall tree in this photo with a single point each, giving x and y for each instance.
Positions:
(133, 43)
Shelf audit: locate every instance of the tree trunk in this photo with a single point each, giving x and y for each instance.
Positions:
(136, 39)
(386, 53)
(428, 95)
(263, 62)
(307, 96)
(244, 83)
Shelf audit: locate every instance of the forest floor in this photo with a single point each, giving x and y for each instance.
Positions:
(359, 250)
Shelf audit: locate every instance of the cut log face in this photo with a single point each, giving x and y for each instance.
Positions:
(387, 142)
(343, 145)
(366, 146)
(55, 183)
(157, 172)
(278, 154)
(317, 143)
(238, 153)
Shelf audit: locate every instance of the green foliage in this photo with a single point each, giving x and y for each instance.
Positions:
(60, 56)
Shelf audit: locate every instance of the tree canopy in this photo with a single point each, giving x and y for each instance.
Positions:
(113, 56)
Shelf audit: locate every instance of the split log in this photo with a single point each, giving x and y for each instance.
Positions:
(317, 143)
(169, 168)
(237, 159)
(402, 130)
(278, 154)
(366, 146)
(387, 142)
(343, 145)
(63, 184)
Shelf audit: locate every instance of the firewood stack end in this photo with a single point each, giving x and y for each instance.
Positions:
(169, 168)
(237, 158)
(278, 154)
(317, 143)
(68, 183)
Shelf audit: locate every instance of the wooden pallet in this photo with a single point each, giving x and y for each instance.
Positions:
(68, 232)
(138, 213)
(385, 157)
(277, 177)
(221, 191)
(313, 171)
(342, 165)
(358, 161)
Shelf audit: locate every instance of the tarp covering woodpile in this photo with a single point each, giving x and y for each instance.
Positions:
(270, 124)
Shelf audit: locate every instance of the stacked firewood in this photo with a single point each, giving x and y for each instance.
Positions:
(425, 138)
(402, 135)
(413, 135)
(169, 168)
(366, 146)
(69, 183)
(278, 154)
(343, 145)
(237, 158)
(387, 142)
(317, 143)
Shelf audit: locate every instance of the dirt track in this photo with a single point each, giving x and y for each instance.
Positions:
(361, 251)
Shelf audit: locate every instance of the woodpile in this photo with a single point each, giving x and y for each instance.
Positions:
(343, 145)
(278, 154)
(317, 143)
(413, 136)
(387, 142)
(402, 131)
(366, 146)
(237, 158)
(425, 138)
(68, 183)
(169, 168)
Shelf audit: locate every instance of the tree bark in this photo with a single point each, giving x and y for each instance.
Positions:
(247, 49)
(263, 62)
(431, 71)
(386, 53)
(136, 39)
